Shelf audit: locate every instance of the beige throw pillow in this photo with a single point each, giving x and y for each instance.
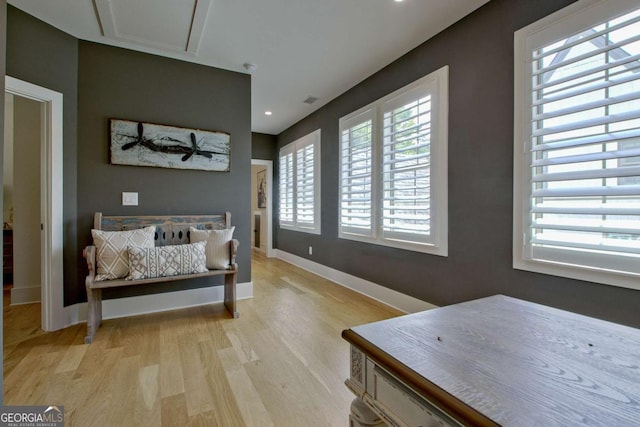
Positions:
(217, 249)
(164, 261)
(112, 250)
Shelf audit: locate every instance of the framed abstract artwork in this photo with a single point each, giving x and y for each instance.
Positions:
(262, 188)
(150, 144)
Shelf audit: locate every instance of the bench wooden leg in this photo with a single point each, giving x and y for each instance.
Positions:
(230, 294)
(94, 313)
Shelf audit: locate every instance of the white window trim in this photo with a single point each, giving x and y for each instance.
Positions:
(313, 139)
(523, 40)
(439, 168)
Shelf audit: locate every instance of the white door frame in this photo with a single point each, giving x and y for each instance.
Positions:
(269, 165)
(52, 288)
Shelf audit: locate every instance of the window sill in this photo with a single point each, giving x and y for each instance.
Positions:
(426, 248)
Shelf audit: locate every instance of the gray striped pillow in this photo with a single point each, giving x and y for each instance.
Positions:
(217, 250)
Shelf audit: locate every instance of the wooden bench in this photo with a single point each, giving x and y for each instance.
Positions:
(170, 230)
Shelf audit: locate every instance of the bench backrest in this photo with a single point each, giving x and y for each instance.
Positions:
(170, 229)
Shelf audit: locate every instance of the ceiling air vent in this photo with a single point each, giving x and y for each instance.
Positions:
(310, 100)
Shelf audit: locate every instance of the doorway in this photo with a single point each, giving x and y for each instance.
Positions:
(22, 200)
(53, 315)
(262, 206)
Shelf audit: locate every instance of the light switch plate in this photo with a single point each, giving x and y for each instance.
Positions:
(129, 199)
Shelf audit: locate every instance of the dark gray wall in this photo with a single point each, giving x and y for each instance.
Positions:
(479, 52)
(99, 82)
(120, 83)
(40, 54)
(263, 146)
(3, 44)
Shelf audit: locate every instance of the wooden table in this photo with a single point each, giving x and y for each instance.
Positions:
(497, 361)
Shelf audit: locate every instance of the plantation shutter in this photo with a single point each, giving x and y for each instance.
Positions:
(393, 191)
(305, 185)
(286, 187)
(356, 175)
(300, 184)
(406, 165)
(584, 148)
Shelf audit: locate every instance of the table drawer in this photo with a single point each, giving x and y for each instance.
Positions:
(402, 406)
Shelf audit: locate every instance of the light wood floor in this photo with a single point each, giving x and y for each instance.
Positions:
(282, 363)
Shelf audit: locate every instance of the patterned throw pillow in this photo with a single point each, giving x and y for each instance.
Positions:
(217, 246)
(166, 261)
(111, 250)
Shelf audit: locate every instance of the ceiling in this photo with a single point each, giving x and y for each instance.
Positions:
(301, 48)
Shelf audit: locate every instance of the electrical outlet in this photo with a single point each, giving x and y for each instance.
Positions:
(310, 250)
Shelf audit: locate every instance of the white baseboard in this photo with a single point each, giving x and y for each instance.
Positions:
(395, 299)
(269, 253)
(25, 295)
(259, 249)
(145, 304)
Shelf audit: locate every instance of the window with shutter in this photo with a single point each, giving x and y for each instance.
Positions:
(577, 144)
(300, 184)
(305, 191)
(393, 170)
(356, 175)
(406, 168)
(286, 188)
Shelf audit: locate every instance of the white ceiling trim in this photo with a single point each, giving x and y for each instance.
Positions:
(105, 15)
(197, 25)
(190, 45)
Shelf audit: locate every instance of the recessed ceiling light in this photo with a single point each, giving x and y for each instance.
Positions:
(268, 113)
(398, 1)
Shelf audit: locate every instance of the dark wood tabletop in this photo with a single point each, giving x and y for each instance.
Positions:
(503, 361)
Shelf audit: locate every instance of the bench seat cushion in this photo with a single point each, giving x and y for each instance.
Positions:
(164, 261)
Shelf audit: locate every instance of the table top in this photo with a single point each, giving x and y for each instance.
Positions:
(503, 361)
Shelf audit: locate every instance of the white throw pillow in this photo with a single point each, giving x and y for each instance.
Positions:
(218, 250)
(111, 250)
(163, 261)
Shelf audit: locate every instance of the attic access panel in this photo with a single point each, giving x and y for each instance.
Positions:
(146, 22)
